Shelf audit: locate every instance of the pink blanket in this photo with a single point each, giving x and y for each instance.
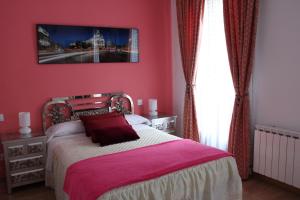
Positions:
(88, 179)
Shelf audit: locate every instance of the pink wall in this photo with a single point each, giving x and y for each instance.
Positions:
(26, 86)
(177, 72)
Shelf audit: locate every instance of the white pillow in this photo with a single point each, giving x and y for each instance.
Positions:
(65, 128)
(137, 119)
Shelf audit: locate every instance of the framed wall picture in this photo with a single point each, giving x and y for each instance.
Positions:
(59, 44)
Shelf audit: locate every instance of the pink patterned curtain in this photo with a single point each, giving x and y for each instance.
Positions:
(189, 17)
(240, 18)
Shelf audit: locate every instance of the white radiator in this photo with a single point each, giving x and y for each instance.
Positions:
(277, 154)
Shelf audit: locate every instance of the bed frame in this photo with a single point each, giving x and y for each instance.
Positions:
(62, 109)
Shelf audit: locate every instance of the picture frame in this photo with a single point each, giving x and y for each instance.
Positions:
(63, 44)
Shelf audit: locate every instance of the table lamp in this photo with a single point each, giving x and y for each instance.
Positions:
(24, 123)
(153, 107)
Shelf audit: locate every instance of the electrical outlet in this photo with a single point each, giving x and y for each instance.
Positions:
(1, 117)
(140, 102)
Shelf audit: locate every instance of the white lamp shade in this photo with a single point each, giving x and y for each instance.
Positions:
(153, 107)
(24, 119)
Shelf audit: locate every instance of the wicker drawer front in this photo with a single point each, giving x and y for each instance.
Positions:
(36, 147)
(158, 126)
(29, 176)
(16, 150)
(25, 163)
(24, 160)
(158, 123)
(171, 123)
(164, 123)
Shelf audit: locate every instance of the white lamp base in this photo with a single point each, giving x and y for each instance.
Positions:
(25, 131)
(153, 113)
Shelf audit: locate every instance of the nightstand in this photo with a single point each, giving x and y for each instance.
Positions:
(163, 122)
(24, 159)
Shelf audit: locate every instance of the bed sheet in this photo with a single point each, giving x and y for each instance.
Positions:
(213, 180)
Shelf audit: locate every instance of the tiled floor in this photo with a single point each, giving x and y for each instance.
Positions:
(254, 189)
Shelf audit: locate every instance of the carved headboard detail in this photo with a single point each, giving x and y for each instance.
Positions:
(62, 109)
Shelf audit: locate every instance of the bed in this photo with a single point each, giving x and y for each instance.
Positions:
(216, 179)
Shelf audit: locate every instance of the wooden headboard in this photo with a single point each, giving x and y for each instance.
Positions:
(62, 109)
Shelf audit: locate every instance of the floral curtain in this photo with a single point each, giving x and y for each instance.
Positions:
(189, 17)
(240, 19)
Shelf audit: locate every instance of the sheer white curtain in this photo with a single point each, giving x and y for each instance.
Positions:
(214, 87)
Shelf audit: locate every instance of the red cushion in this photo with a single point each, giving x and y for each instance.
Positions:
(91, 117)
(102, 121)
(113, 135)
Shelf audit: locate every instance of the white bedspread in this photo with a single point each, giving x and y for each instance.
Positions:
(210, 181)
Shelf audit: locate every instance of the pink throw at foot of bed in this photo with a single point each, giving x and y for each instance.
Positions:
(90, 178)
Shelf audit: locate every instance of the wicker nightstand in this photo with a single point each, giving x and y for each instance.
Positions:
(163, 122)
(24, 159)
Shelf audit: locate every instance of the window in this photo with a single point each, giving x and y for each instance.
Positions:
(214, 88)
